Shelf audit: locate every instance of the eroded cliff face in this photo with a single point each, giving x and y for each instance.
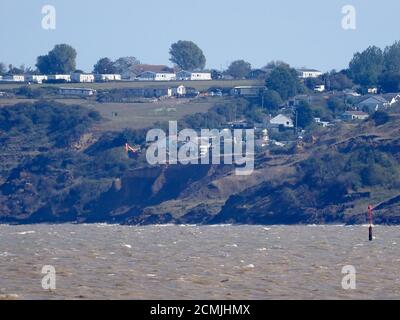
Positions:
(165, 194)
(331, 178)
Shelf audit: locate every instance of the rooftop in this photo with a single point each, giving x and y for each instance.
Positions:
(356, 113)
(377, 98)
(140, 68)
(308, 70)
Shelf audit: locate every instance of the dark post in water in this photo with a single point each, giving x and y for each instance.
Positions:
(370, 209)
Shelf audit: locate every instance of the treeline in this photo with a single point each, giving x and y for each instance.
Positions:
(377, 67)
(185, 55)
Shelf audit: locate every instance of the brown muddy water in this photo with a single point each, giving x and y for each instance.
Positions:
(193, 262)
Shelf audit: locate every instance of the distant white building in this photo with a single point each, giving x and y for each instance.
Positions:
(309, 73)
(59, 77)
(82, 77)
(35, 78)
(355, 115)
(319, 88)
(321, 123)
(282, 120)
(193, 76)
(82, 92)
(179, 91)
(156, 76)
(107, 77)
(14, 78)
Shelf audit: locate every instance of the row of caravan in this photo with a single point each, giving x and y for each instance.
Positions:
(89, 77)
(74, 77)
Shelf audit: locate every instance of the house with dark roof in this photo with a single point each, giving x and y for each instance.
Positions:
(373, 103)
(140, 68)
(257, 74)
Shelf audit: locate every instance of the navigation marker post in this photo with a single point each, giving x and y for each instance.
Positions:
(370, 210)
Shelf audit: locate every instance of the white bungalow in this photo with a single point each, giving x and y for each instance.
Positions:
(193, 76)
(156, 76)
(179, 91)
(248, 91)
(81, 92)
(107, 77)
(309, 73)
(59, 77)
(82, 77)
(35, 78)
(355, 115)
(14, 78)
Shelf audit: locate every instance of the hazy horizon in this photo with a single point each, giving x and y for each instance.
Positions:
(307, 34)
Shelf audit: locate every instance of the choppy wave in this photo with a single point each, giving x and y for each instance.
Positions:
(104, 261)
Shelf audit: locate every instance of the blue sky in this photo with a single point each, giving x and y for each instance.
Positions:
(305, 33)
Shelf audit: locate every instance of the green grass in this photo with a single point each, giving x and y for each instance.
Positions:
(142, 115)
(198, 85)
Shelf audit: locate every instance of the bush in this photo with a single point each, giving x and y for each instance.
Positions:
(380, 118)
(53, 122)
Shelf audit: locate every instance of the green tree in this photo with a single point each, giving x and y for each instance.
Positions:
(304, 115)
(390, 82)
(187, 55)
(272, 100)
(391, 57)
(62, 59)
(126, 64)
(2, 68)
(366, 67)
(337, 81)
(239, 69)
(284, 80)
(216, 74)
(104, 66)
(336, 105)
(380, 117)
(273, 64)
(16, 70)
